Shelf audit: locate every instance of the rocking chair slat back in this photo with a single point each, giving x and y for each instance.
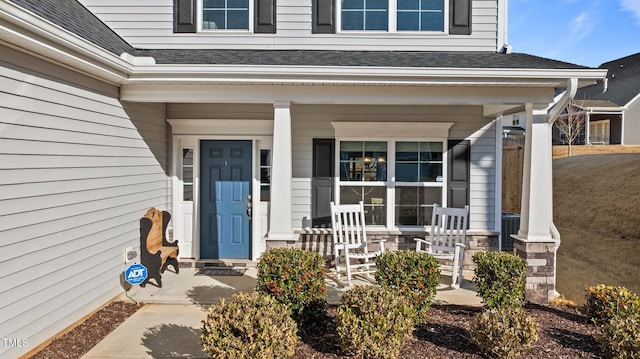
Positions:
(349, 228)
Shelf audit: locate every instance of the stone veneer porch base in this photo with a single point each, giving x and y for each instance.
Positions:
(319, 240)
(541, 265)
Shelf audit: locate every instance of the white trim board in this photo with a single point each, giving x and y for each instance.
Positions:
(220, 127)
(392, 129)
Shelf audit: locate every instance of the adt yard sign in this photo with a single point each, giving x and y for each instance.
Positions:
(135, 273)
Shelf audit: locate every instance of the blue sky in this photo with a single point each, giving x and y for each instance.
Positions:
(583, 32)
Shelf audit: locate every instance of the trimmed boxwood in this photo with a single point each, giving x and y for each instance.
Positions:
(249, 326)
(607, 302)
(621, 337)
(501, 279)
(410, 274)
(296, 278)
(372, 322)
(504, 332)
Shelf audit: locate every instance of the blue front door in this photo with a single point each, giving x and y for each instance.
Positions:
(225, 194)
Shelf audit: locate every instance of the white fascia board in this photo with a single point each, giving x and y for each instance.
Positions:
(334, 94)
(605, 110)
(361, 75)
(25, 31)
(637, 98)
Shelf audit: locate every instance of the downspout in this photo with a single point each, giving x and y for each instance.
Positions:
(554, 113)
(567, 96)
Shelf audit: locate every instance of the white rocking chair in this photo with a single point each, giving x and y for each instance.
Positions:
(447, 240)
(350, 240)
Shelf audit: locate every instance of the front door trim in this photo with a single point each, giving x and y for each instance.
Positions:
(181, 139)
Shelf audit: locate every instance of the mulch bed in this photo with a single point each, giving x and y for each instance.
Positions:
(85, 336)
(564, 333)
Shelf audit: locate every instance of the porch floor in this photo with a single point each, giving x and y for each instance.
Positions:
(170, 323)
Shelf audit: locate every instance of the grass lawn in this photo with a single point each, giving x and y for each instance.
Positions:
(597, 211)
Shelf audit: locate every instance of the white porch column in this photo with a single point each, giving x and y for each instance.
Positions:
(281, 174)
(537, 240)
(537, 196)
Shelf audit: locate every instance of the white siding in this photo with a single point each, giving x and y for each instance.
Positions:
(632, 122)
(149, 24)
(314, 121)
(77, 171)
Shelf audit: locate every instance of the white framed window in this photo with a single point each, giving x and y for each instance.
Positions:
(397, 180)
(393, 15)
(265, 175)
(419, 177)
(363, 177)
(420, 15)
(365, 15)
(235, 15)
(186, 174)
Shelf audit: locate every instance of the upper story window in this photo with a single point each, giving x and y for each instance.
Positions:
(256, 16)
(392, 15)
(365, 14)
(225, 15)
(420, 15)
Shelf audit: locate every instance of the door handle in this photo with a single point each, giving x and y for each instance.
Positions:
(249, 212)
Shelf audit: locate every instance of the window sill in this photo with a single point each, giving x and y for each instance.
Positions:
(226, 32)
(389, 33)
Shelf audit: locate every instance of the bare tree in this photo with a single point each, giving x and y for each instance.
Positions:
(571, 123)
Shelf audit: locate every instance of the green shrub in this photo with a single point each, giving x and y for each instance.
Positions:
(373, 322)
(410, 274)
(501, 279)
(249, 326)
(294, 277)
(621, 338)
(504, 333)
(607, 302)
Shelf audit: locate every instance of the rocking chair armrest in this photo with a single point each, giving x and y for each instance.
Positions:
(380, 244)
(461, 245)
(427, 241)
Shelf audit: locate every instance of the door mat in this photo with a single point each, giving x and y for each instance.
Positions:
(221, 271)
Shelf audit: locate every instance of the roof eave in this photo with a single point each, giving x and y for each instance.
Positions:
(434, 76)
(28, 32)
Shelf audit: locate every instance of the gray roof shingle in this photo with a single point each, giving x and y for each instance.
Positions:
(623, 82)
(74, 17)
(452, 59)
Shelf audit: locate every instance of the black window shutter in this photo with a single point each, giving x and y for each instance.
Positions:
(323, 17)
(459, 158)
(322, 182)
(265, 17)
(460, 17)
(184, 16)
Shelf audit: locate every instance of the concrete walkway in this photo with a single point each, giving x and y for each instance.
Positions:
(168, 325)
